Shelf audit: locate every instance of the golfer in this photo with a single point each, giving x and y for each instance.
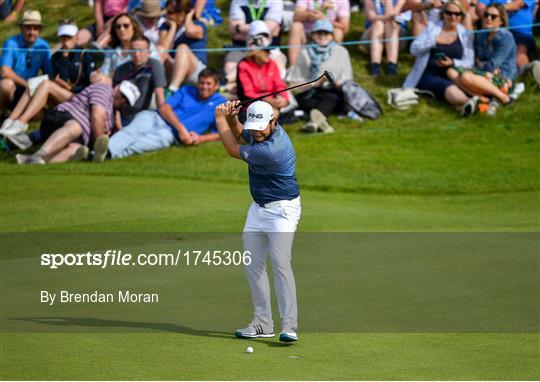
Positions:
(273, 216)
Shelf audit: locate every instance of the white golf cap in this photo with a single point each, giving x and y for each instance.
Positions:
(67, 30)
(130, 91)
(258, 27)
(258, 115)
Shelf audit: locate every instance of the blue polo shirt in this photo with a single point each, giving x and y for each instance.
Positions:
(195, 114)
(523, 16)
(272, 167)
(26, 62)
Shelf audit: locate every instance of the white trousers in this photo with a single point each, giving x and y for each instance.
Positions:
(269, 230)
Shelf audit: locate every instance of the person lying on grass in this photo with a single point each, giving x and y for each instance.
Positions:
(186, 118)
(85, 119)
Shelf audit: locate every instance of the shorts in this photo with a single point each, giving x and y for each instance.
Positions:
(435, 84)
(193, 79)
(524, 39)
(19, 91)
(52, 121)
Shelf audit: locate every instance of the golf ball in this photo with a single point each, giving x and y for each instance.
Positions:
(249, 349)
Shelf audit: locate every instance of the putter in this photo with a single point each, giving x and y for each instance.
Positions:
(326, 75)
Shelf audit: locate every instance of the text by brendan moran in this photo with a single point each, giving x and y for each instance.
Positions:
(97, 297)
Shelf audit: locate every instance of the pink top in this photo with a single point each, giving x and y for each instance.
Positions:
(342, 9)
(112, 8)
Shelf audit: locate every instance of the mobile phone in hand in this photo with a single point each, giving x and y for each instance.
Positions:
(440, 56)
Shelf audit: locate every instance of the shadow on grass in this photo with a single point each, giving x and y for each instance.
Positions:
(163, 327)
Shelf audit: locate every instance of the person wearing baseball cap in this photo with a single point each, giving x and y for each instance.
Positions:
(84, 120)
(258, 73)
(23, 56)
(273, 216)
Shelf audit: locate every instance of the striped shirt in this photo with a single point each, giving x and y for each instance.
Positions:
(80, 106)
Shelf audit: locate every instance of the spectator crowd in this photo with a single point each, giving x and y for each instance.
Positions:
(138, 78)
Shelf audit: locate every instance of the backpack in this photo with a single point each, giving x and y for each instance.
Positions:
(360, 100)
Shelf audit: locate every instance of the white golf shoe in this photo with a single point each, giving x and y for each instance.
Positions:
(255, 329)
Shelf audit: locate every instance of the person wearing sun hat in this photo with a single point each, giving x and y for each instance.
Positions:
(70, 74)
(149, 14)
(23, 56)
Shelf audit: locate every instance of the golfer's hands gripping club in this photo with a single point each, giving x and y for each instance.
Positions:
(228, 110)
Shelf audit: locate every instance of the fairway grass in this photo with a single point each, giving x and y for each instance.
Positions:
(201, 355)
(90, 203)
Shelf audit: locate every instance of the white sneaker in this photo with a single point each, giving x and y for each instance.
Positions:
(5, 125)
(255, 329)
(518, 90)
(80, 155)
(16, 127)
(29, 159)
(101, 146)
(492, 109)
(288, 334)
(21, 140)
(319, 119)
(469, 107)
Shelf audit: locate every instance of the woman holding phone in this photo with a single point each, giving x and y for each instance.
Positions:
(440, 47)
(495, 68)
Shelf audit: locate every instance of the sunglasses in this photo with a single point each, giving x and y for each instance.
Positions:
(491, 16)
(450, 13)
(122, 26)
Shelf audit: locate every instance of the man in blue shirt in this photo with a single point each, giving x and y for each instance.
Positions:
(187, 117)
(273, 216)
(23, 56)
(521, 18)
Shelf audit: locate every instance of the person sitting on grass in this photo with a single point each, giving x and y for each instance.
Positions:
(258, 74)
(70, 74)
(9, 10)
(384, 20)
(85, 119)
(150, 18)
(323, 55)
(123, 31)
(495, 62)
(181, 33)
(104, 12)
(145, 72)
(186, 118)
(23, 56)
(520, 21)
(307, 12)
(439, 47)
(242, 15)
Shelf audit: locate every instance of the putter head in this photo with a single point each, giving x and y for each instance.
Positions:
(330, 77)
